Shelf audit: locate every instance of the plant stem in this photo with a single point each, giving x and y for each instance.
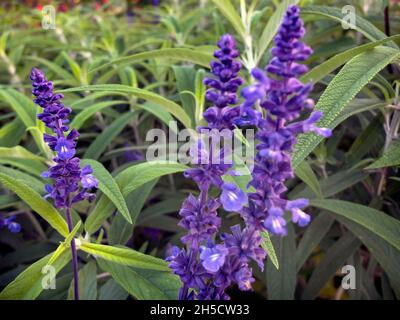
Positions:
(74, 255)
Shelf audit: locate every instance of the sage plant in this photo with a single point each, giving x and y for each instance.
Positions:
(282, 97)
(72, 183)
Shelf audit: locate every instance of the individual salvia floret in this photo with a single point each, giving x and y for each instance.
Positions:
(284, 98)
(71, 182)
(10, 224)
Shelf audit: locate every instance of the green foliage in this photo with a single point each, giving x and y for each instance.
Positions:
(35, 202)
(127, 257)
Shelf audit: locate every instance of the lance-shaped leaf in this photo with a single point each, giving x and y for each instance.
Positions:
(109, 187)
(181, 54)
(35, 202)
(269, 249)
(124, 256)
(379, 223)
(29, 284)
(341, 90)
(390, 158)
(144, 284)
(168, 105)
(326, 67)
(228, 10)
(88, 112)
(362, 25)
(129, 180)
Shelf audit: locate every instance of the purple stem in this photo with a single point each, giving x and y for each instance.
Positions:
(74, 255)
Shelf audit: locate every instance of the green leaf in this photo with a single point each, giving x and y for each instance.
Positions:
(228, 10)
(120, 231)
(26, 112)
(181, 54)
(56, 254)
(111, 290)
(12, 133)
(200, 93)
(363, 26)
(334, 258)
(144, 284)
(36, 203)
(376, 221)
(281, 283)
(353, 109)
(87, 282)
(65, 75)
(305, 173)
(386, 255)
(137, 175)
(185, 81)
(366, 141)
(313, 235)
(168, 105)
(86, 113)
(341, 90)
(269, 249)
(75, 68)
(128, 180)
(28, 285)
(21, 158)
(172, 204)
(101, 142)
(159, 112)
(332, 185)
(65, 244)
(109, 187)
(72, 234)
(31, 181)
(272, 27)
(127, 257)
(326, 67)
(390, 158)
(20, 152)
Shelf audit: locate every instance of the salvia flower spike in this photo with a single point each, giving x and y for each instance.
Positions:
(205, 267)
(72, 183)
(283, 98)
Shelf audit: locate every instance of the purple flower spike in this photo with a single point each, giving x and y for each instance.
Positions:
(283, 97)
(200, 219)
(71, 184)
(207, 268)
(66, 173)
(224, 85)
(232, 198)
